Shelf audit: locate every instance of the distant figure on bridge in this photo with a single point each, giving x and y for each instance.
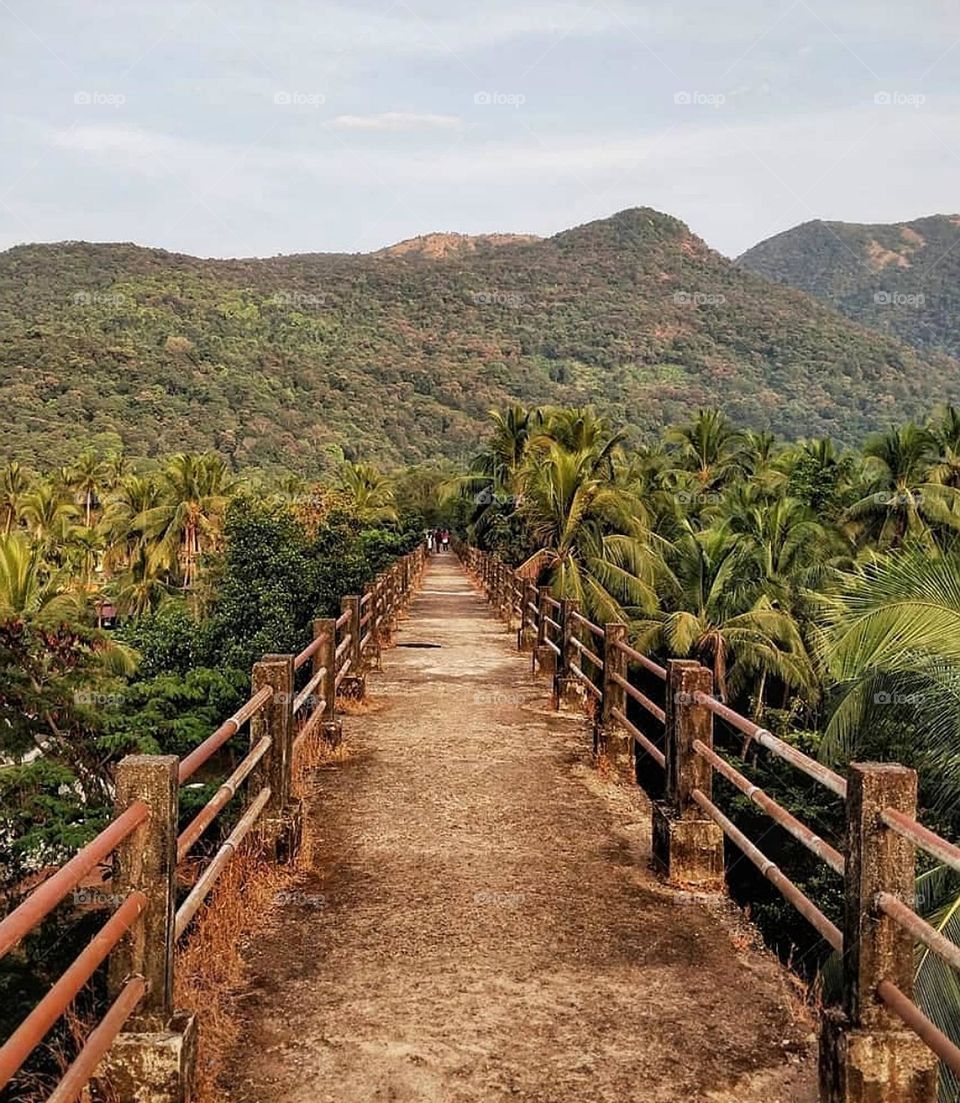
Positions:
(445, 540)
(431, 543)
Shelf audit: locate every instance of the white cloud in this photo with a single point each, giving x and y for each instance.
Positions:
(396, 120)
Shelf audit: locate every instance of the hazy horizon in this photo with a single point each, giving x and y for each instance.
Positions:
(424, 233)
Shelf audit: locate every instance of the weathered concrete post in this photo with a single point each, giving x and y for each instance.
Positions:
(687, 847)
(325, 657)
(526, 633)
(389, 600)
(866, 1055)
(609, 736)
(506, 595)
(354, 683)
(515, 594)
(282, 821)
(405, 578)
(153, 1058)
(544, 655)
(376, 608)
(566, 686)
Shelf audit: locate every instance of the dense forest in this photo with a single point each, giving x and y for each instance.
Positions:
(297, 363)
(821, 585)
(900, 279)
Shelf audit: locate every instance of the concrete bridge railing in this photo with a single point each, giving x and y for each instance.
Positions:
(143, 1045)
(878, 1046)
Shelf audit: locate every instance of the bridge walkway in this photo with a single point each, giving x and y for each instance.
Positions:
(479, 922)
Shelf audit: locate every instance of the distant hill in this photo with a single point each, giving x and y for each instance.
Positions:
(396, 356)
(902, 279)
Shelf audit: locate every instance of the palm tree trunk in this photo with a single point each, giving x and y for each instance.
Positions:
(759, 704)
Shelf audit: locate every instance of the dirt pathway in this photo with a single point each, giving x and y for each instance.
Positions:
(481, 923)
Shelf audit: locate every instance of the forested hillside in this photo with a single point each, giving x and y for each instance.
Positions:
(294, 361)
(902, 279)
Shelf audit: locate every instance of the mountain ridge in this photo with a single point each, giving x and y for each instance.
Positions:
(297, 361)
(899, 278)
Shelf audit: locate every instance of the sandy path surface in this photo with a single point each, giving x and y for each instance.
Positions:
(481, 923)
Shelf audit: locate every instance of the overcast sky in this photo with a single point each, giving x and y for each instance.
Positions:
(253, 128)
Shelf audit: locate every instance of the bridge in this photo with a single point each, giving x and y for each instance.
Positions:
(492, 907)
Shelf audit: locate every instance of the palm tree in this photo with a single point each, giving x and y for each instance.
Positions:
(141, 589)
(492, 475)
(758, 450)
(193, 491)
(593, 531)
(707, 450)
(13, 485)
(116, 467)
(507, 447)
(121, 520)
(903, 501)
(722, 617)
(785, 548)
(946, 437)
(372, 493)
(893, 649)
(29, 588)
(48, 517)
(85, 477)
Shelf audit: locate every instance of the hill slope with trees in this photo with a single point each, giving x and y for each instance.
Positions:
(292, 362)
(901, 279)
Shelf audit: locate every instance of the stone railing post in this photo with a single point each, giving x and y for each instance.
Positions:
(147, 862)
(376, 608)
(566, 688)
(608, 730)
(687, 847)
(325, 657)
(866, 1054)
(544, 656)
(527, 633)
(156, 1053)
(282, 816)
(513, 585)
(506, 595)
(354, 683)
(352, 605)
